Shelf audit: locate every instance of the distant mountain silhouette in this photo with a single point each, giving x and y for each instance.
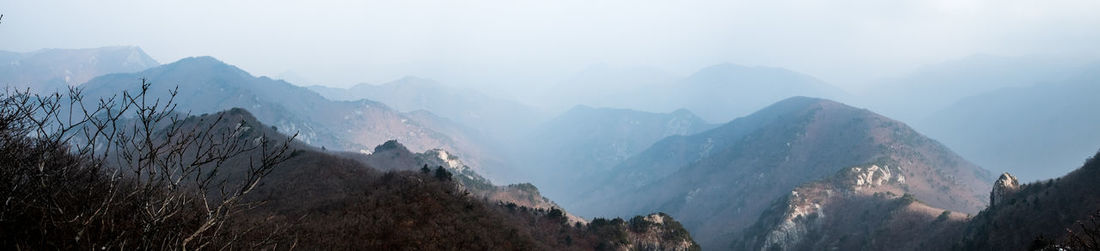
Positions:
(495, 117)
(725, 91)
(1037, 131)
(47, 70)
(915, 96)
(716, 93)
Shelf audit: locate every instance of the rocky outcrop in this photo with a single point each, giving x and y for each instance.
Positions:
(1004, 186)
(803, 214)
(858, 178)
(657, 231)
(846, 212)
(392, 155)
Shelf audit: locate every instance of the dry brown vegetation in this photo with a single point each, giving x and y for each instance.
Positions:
(72, 178)
(125, 172)
(1049, 209)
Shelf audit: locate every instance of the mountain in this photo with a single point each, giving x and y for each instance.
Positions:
(56, 69)
(719, 181)
(473, 109)
(207, 85)
(931, 88)
(569, 152)
(1037, 131)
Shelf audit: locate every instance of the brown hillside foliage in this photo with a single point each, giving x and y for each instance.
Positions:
(329, 202)
(125, 172)
(1045, 209)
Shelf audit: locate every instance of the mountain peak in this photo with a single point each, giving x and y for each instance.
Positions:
(1005, 185)
(389, 146)
(201, 60)
(205, 64)
(683, 112)
(804, 100)
(724, 66)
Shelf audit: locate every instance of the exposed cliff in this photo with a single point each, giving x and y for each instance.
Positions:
(859, 208)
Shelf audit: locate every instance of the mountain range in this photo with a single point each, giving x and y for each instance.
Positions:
(717, 93)
(931, 88)
(207, 85)
(1036, 131)
(412, 162)
(49, 70)
(500, 118)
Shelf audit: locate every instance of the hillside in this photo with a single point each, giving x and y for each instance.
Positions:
(317, 200)
(1023, 212)
(571, 151)
(859, 208)
(719, 181)
(48, 70)
(207, 85)
(392, 156)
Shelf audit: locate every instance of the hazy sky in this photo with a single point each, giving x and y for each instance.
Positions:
(520, 43)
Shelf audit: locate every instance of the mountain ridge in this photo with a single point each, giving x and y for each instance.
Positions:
(209, 85)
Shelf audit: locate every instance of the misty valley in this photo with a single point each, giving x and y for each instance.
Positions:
(535, 147)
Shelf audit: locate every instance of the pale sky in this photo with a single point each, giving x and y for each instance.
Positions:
(515, 43)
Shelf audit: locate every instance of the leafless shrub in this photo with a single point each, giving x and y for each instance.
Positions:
(128, 171)
(1086, 236)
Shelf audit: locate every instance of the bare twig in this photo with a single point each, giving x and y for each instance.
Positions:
(183, 177)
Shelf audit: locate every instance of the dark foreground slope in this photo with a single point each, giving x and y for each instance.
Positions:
(319, 200)
(1022, 213)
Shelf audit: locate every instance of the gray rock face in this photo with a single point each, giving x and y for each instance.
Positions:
(1005, 185)
(660, 232)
